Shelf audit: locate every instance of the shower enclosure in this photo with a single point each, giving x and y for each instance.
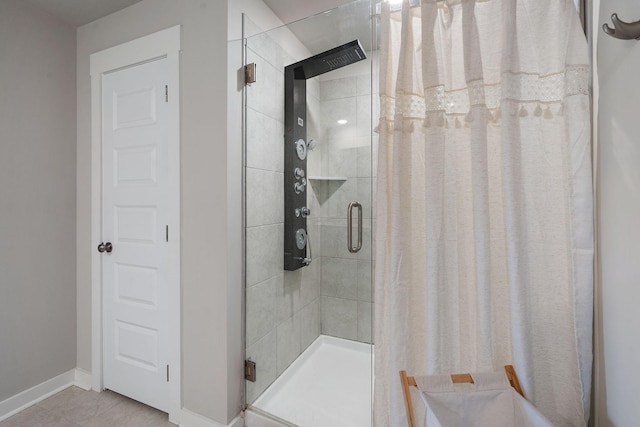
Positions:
(309, 148)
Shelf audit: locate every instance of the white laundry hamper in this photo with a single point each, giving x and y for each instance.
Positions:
(492, 399)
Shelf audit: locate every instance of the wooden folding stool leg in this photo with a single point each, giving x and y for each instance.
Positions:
(513, 378)
(406, 383)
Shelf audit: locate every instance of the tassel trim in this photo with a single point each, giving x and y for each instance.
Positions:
(439, 119)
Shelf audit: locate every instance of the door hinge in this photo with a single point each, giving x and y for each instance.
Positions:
(166, 236)
(166, 93)
(250, 73)
(167, 373)
(250, 371)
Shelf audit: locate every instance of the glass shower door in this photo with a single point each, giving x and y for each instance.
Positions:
(308, 176)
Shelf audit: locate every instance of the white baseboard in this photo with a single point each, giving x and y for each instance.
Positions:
(82, 379)
(30, 397)
(186, 418)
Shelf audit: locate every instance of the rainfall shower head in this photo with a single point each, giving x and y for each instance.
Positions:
(330, 60)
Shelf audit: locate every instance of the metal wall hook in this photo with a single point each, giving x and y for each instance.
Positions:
(622, 30)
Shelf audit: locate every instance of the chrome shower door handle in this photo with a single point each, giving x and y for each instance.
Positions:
(350, 246)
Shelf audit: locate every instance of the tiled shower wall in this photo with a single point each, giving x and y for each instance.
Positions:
(343, 159)
(282, 307)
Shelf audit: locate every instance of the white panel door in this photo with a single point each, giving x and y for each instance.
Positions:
(135, 220)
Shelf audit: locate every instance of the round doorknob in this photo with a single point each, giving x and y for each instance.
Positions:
(105, 247)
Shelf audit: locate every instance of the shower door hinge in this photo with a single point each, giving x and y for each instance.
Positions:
(166, 93)
(250, 371)
(250, 73)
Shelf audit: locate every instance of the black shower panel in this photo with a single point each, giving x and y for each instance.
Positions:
(295, 160)
(297, 253)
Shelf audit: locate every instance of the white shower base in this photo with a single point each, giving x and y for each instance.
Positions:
(330, 384)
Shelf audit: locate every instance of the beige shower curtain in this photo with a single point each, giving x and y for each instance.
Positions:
(484, 232)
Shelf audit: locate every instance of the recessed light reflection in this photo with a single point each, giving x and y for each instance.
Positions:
(342, 122)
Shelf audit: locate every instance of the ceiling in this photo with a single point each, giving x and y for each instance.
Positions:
(320, 32)
(323, 24)
(80, 12)
(293, 10)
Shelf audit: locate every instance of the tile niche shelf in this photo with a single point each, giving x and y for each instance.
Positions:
(325, 186)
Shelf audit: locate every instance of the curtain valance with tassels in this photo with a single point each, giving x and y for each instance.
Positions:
(473, 64)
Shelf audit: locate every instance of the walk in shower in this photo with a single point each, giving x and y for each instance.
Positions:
(309, 186)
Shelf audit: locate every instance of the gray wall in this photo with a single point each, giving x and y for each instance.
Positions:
(211, 303)
(37, 198)
(617, 317)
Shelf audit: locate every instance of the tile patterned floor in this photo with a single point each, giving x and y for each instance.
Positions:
(74, 407)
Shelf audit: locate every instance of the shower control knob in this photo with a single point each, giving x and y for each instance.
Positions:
(305, 212)
(298, 187)
(299, 173)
